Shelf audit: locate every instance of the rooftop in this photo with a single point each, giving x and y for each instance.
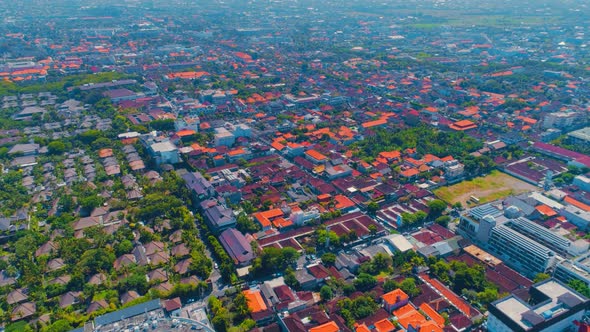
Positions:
(558, 300)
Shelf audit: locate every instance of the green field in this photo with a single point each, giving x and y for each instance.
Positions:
(494, 186)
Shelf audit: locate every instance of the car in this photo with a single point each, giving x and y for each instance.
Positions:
(215, 266)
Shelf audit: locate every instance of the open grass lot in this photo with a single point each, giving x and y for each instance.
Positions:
(494, 186)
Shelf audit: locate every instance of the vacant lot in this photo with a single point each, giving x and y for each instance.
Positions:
(494, 186)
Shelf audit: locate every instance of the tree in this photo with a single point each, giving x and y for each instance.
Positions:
(123, 247)
(540, 277)
(364, 282)
(245, 224)
(61, 325)
(580, 287)
(436, 208)
(408, 285)
(329, 259)
(96, 260)
(200, 263)
(390, 285)
(290, 278)
(241, 306)
(488, 295)
(56, 147)
(361, 307)
(381, 262)
(326, 293)
(162, 125)
(372, 207)
(443, 221)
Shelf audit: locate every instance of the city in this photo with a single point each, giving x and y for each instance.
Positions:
(295, 165)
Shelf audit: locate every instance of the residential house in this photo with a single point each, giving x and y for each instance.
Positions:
(237, 246)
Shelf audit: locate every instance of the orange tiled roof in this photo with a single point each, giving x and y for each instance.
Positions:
(407, 316)
(362, 328)
(392, 297)
(343, 202)
(188, 74)
(327, 327)
(546, 210)
(390, 154)
(255, 301)
(374, 123)
(236, 152)
(186, 132)
(316, 155)
(577, 203)
(278, 146)
(463, 125)
(103, 153)
(435, 316)
(384, 325)
(410, 172)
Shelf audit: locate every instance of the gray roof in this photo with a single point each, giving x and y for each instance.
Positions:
(126, 313)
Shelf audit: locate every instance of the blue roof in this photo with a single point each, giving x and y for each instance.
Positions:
(122, 314)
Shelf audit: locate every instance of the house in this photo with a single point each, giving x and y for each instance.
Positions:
(463, 125)
(69, 298)
(237, 246)
(27, 113)
(164, 153)
(315, 156)
(23, 311)
(258, 308)
(330, 326)
(218, 216)
(97, 305)
(124, 260)
(200, 187)
(172, 306)
(29, 149)
(129, 296)
(17, 296)
(395, 299)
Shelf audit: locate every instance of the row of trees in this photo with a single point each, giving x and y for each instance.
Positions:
(424, 138)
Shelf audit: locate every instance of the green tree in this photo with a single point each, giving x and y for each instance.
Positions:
(364, 282)
(326, 293)
(290, 278)
(60, 325)
(329, 259)
(436, 208)
(56, 147)
(580, 287)
(123, 247)
(443, 221)
(408, 285)
(390, 285)
(487, 296)
(241, 306)
(372, 207)
(540, 277)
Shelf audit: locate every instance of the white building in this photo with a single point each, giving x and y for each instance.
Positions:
(555, 307)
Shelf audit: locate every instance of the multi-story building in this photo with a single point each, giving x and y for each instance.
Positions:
(561, 120)
(560, 244)
(224, 137)
(477, 223)
(578, 269)
(453, 169)
(580, 136)
(520, 252)
(552, 307)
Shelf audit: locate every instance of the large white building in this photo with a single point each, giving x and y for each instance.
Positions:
(520, 252)
(552, 307)
(561, 120)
